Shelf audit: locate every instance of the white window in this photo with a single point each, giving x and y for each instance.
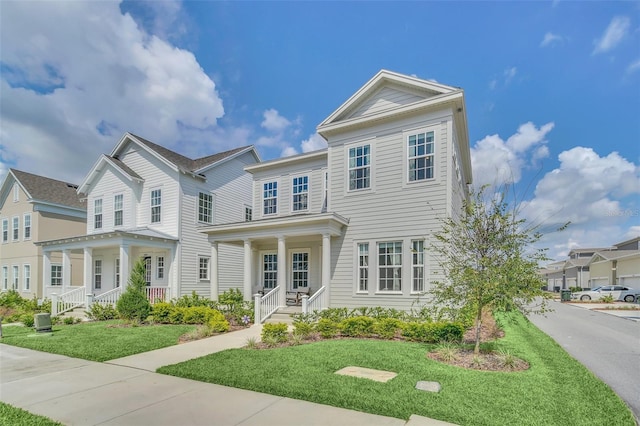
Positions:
(117, 272)
(16, 277)
(390, 266)
(269, 270)
(26, 224)
(16, 193)
(300, 193)
(97, 274)
(160, 267)
(248, 214)
(203, 268)
(97, 213)
(417, 266)
(5, 230)
(56, 275)
(156, 205)
(26, 279)
(5, 277)
(118, 210)
(300, 270)
(147, 270)
(325, 203)
(363, 267)
(205, 207)
(420, 156)
(15, 228)
(270, 198)
(359, 167)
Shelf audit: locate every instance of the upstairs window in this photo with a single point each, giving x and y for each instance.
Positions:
(270, 198)
(248, 214)
(26, 231)
(15, 228)
(156, 205)
(420, 156)
(359, 167)
(205, 207)
(97, 213)
(300, 193)
(118, 207)
(5, 230)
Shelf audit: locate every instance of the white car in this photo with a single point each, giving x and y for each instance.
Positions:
(618, 292)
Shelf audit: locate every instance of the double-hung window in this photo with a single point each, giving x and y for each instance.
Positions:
(248, 214)
(417, 266)
(26, 277)
(118, 210)
(26, 226)
(363, 267)
(5, 230)
(56, 275)
(390, 266)
(15, 228)
(5, 277)
(117, 271)
(270, 198)
(97, 213)
(359, 167)
(16, 277)
(203, 268)
(300, 270)
(300, 193)
(156, 205)
(160, 267)
(420, 156)
(97, 274)
(147, 270)
(205, 207)
(269, 270)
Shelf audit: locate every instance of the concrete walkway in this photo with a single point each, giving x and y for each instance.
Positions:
(126, 391)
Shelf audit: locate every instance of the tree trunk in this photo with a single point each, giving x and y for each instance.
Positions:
(476, 349)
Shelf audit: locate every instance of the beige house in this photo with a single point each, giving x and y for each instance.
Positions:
(35, 208)
(617, 267)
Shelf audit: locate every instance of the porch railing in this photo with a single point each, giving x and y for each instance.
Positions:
(266, 305)
(108, 298)
(156, 294)
(317, 302)
(61, 303)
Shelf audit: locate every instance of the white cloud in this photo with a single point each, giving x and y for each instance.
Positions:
(314, 143)
(274, 122)
(633, 67)
(80, 74)
(550, 39)
(288, 151)
(613, 35)
(509, 73)
(496, 161)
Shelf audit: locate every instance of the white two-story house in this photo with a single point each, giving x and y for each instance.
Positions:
(146, 201)
(352, 224)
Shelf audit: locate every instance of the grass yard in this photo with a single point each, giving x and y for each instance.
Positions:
(96, 341)
(556, 390)
(12, 416)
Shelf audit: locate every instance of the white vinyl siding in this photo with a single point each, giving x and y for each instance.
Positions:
(5, 230)
(387, 97)
(26, 226)
(118, 210)
(359, 163)
(270, 198)
(97, 213)
(205, 207)
(26, 277)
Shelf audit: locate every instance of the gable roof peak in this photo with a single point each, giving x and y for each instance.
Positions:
(47, 190)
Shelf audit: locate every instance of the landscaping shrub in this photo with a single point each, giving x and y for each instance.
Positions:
(68, 320)
(197, 314)
(447, 331)
(100, 312)
(386, 328)
(607, 299)
(161, 312)
(334, 314)
(360, 326)
(277, 332)
(193, 300)
(217, 323)
(327, 328)
(302, 329)
(176, 314)
(27, 320)
(14, 307)
(433, 332)
(133, 304)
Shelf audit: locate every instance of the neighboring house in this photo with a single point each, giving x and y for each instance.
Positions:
(34, 208)
(145, 201)
(352, 224)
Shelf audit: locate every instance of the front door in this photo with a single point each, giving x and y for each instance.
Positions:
(299, 270)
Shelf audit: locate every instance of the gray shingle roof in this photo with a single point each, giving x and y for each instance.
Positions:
(49, 190)
(125, 168)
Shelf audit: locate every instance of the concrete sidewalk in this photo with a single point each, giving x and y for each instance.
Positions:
(126, 391)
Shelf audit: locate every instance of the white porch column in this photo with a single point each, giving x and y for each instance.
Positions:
(66, 270)
(46, 272)
(125, 265)
(88, 267)
(282, 271)
(247, 271)
(173, 274)
(215, 286)
(326, 267)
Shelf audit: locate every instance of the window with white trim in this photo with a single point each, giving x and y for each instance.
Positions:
(5, 230)
(417, 266)
(16, 277)
(26, 226)
(248, 214)
(205, 207)
(270, 198)
(269, 270)
(16, 192)
(118, 210)
(15, 228)
(97, 213)
(5, 277)
(420, 156)
(26, 277)
(56, 275)
(363, 267)
(147, 270)
(300, 192)
(156, 205)
(97, 274)
(390, 266)
(203, 268)
(160, 267)
(359, 167)
(117, 272)
(300, 270)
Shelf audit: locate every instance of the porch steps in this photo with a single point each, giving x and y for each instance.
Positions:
(283, 315)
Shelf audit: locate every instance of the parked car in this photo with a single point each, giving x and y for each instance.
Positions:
(618, 292)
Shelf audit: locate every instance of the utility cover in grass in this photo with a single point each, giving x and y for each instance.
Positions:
(367, 373)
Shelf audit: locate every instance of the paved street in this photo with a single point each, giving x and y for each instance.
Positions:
(607, 345)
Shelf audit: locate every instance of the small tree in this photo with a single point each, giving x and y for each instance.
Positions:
(488, 261)
(133, 304)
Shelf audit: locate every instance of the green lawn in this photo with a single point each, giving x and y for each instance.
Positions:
(556, 390)
(96, 341)
(12, 416)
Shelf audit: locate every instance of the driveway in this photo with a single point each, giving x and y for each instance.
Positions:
(608, 345)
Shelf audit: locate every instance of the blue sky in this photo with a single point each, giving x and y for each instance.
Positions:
(552, 88)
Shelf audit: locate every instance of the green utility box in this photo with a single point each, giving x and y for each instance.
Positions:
(565, 296)
(42, 322)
